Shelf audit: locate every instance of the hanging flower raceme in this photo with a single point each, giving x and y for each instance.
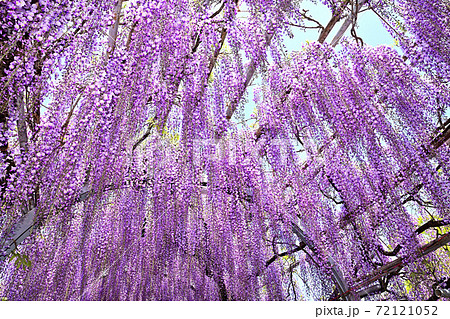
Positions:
(428, 23)
(351, 107)
(136, 183)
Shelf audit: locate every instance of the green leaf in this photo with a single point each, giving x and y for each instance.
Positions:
(408, 286)
(20, 260)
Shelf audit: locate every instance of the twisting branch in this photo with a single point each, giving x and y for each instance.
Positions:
(395, 265)
(354, 16)
(218, 11)
(351, 20)
(130, 35)
(431, 224)
(334, 19)
(114, 29)
(421, 229)
(197, 42)
(390, 253)
(146, 134)
(65, 126)
(442, 137)
(304, 15)
(318, 24)
(21, 125)
(303, 27)
(286, 253)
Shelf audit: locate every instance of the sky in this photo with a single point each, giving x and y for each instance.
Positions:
(369, 28)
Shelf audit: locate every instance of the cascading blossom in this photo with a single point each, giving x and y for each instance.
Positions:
(126, 171)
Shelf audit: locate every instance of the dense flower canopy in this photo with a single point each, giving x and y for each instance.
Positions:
(128, 170)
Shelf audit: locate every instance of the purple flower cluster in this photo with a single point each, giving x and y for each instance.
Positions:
(118, 132)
